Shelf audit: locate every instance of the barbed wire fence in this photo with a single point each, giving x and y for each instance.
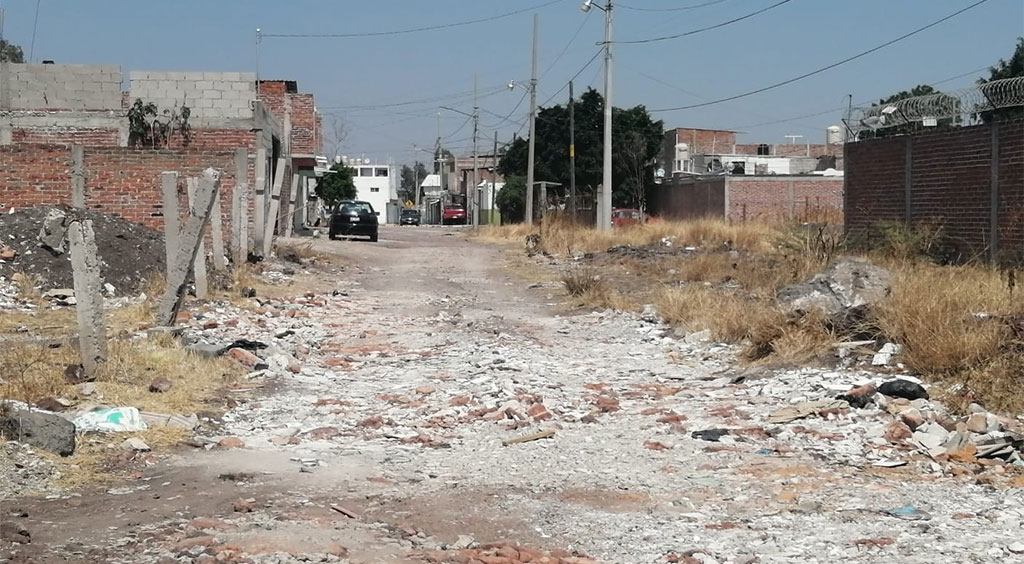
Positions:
(967, 106)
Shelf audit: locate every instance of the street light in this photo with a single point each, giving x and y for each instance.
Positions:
(604, 207)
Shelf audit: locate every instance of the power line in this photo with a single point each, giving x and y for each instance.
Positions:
(413, 30)
(578, 73)
(439, 98)
(680, 9)
(35, 25)
(703, 29)
(583, 23)
(505, 118)
(828, 67)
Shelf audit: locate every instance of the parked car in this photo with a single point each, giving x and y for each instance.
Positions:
(453, 213)
(622, 217)
(354, 218)
(409, 217)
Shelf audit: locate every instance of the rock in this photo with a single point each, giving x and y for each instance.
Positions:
(206, 350)
(13, 532)
(44, 430)
(53, 234)
(244, 357)
(913, 418)
(842, 290)
(7, 253)
(231, 442)
(905, 389)
(190, 422)
(650, 314)
(896, 431)
(75, 374)
(160, 385)
(698, 337)
(1016, 548)
(244, 505)
(86, 389)
(51, 404)
(977, 423)
(135, 444)
(713, 435)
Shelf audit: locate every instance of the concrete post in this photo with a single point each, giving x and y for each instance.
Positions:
(239, 215)
(199, 262)
(92, 330)
(191, 238)
(172, 227)
(275, 207)
(78, 177)
(261, 199)
(290, 217)
(217, 235)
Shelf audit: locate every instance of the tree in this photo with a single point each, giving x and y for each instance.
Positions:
(10, 52)
(336, 186)
(636, 143)
(1006, 69)
(335, 134)
(411, 178)
(511, 200)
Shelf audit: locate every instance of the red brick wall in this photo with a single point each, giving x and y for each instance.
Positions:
(800, 198)
(303, 125)
(950, 187)
(96, 137)
(702, 140)
(120, 181)
(788, 150)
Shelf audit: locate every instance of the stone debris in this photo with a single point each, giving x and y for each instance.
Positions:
(41, 429)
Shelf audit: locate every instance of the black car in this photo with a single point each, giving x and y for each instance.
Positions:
(354, 218)
(410, 217)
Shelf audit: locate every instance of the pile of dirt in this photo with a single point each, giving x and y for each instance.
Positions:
(129, 253)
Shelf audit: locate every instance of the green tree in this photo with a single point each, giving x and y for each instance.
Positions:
(411, 178)
(1012, 68)
(336, 185)
(636, 143)
(511, 200)
(10, 52)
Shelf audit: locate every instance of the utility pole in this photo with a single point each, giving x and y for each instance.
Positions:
(533, 128)
(494, 179)
(572, 153)
(475, 193)
(604, 221)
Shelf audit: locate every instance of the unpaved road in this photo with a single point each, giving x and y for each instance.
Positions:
(388, 444)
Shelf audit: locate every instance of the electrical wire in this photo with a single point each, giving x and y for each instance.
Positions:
(703, 29)
(35, 25)
(506, 118)
(414, 30)
(460, 128)
(439, 98)
(828, 67)
(679, 9)
(566, 48)
(574, 77)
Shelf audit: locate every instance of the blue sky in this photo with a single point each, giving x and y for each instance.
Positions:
(353, 77)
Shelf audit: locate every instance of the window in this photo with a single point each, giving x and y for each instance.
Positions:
(381, 172)
(366, 171)
(359, 207)
(374, 189)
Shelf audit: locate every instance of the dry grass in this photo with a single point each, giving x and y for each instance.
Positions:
(300, 253)
(561, 237)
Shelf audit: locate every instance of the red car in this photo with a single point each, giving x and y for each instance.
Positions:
(622, 217)
(453, 213)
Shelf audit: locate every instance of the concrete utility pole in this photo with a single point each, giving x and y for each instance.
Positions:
(494, 179)
(572, 153)
(533, 127)
(475, 194)
(605, 220)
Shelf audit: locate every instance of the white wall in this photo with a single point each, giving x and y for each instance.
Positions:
(378, 190)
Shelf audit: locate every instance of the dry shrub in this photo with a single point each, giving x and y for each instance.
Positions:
(730, 317)
(996, 385)
(299, 253)
(931, 312)
(581, 280)
(28, 287)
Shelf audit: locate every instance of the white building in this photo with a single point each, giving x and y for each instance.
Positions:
(376, 183)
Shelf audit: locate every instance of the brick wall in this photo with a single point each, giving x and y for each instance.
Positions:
(788, 198)
(91, 136)
(748, 198)
(121, 181)
(702, 141)
(788, 150)
(950, 185)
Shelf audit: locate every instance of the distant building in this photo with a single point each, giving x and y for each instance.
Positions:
(376, 183)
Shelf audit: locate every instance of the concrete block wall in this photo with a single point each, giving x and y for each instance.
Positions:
(62, 87)
(215, 98)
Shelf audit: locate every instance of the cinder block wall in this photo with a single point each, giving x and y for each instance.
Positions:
(63, 87)
(215, 98)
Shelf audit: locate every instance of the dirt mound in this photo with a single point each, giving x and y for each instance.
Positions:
(129, 253)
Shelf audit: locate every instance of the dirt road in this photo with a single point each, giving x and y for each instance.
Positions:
(388, 445)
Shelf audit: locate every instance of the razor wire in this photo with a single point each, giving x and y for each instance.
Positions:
(957, 107)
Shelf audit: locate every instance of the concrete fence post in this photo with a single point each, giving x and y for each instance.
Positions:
(92, 330)
(994, 203)
(191, 239)
(261, 199)
(239, 208)
(290, 216)
(172, 222)
(78, 177)
(275, 207)
(199, 262)
(217, 235)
